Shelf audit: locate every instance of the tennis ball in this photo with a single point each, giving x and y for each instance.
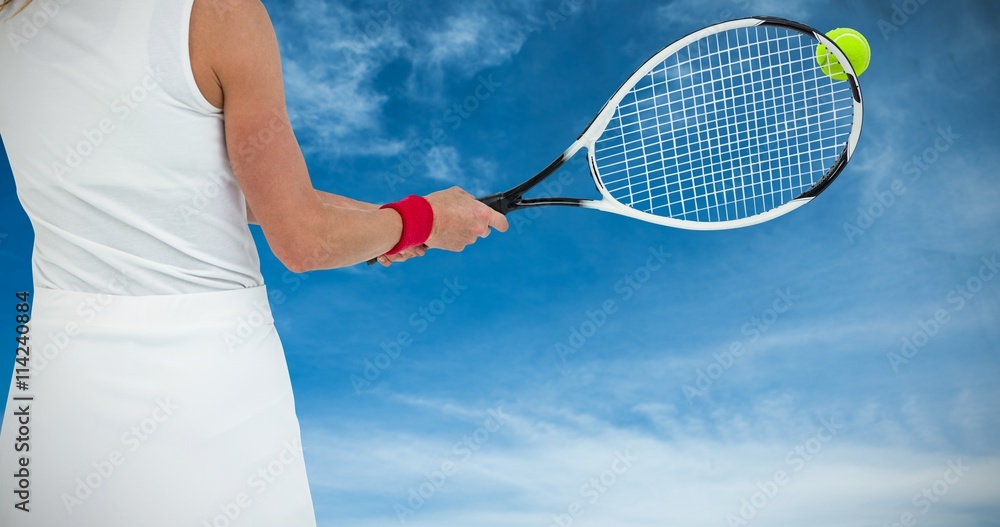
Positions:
(853, 44)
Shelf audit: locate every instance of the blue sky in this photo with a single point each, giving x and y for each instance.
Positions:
(825, 417)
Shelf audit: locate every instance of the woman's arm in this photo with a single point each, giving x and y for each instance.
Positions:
(328, 199)
(345, 202)
(237, 64)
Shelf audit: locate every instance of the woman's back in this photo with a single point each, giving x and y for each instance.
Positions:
(119, 160)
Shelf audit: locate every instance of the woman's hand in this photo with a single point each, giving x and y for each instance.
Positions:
(460, 219)
(412, 252)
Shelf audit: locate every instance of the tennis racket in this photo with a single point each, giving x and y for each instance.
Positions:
(732, 125)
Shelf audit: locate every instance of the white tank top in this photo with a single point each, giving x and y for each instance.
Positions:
(118, 159)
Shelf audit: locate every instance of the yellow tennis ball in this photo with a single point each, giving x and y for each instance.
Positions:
(853, 44)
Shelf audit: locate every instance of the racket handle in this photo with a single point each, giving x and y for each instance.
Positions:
(497, 202)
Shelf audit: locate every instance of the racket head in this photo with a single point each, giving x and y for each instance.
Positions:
(730, 126)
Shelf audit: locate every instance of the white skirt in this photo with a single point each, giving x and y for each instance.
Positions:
(153, 411)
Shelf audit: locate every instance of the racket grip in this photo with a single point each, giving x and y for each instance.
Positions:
(497, 202)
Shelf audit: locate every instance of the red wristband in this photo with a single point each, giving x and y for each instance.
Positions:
(418, 219)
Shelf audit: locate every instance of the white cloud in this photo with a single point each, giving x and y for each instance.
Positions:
(951, 195)
(481, 36)
(443, 165)
(534, 467)
(482, 176)
(333, 57)
(335, 61)
(330, 66)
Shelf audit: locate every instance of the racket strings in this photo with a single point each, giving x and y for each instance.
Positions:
(735, 124)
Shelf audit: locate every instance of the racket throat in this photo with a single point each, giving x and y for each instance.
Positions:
(504, 202)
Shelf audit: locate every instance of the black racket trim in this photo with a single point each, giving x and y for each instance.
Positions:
(504, 202)
(831, 175)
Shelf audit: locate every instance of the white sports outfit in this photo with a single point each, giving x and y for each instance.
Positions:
(158, 395)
